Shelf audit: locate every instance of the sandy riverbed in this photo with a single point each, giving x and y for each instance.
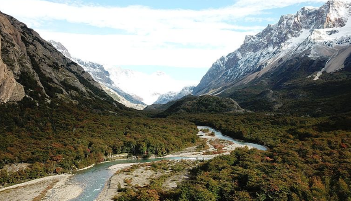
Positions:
(48, 188)
(141, 175)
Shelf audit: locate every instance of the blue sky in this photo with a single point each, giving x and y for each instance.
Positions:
(181, 38)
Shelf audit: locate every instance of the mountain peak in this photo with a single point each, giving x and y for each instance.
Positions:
(61, 48)
(173, 96)
(101, 75)
(310, 32)
(337, 12)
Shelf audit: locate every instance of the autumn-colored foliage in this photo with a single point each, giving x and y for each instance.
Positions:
(59, 137)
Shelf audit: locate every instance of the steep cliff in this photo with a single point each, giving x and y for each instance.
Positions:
(33, 68)
(10, 89)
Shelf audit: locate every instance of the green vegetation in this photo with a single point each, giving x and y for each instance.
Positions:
(202, 104)
(59, 128)
(59, 137)
(288, 90)
(308, 159)
(168, 171)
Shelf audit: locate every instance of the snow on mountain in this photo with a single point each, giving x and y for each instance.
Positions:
(312, 32)
(98, 72)
(134, 89)
(172, 96)
(146, 86)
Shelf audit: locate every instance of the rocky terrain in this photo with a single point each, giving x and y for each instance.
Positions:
(101, 75)
(10, 89)
(317, 34)
(33, 68)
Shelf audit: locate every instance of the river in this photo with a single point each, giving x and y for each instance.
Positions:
(224, 137)
(92, 180)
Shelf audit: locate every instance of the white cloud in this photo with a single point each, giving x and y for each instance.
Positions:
(180, 38)
(149, 87)
(270, 4)
(150, 50)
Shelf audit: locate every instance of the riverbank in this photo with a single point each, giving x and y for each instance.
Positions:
(60, 187)
(215, 146)
(50, 188)
(136, 176)
(166, 174)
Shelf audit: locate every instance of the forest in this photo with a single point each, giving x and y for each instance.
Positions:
(61, 137)
(308, 159)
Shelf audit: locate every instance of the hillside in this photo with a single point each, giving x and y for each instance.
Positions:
(202, 104)
(287, 89)
(102, 76)
(39, 72)
(56, 118)
(290, 66)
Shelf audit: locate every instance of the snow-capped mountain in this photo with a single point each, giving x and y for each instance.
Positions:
(172, 96)
(98, 72)
(314, 33)
(148, 87)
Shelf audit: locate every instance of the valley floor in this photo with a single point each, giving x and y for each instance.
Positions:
(165, 174)
(128, 175)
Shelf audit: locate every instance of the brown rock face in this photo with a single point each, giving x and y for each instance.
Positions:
(32, 67)
(10, 89)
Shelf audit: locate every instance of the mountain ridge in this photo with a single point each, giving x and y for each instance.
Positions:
(44, 77)
(101, 75)
(173, 96)
(314, 32)
(200, 104)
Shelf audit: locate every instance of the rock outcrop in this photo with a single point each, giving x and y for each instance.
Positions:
(10, 89)
(31, 67)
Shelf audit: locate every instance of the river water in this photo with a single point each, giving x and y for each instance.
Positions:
(221, 136)
(92, 180)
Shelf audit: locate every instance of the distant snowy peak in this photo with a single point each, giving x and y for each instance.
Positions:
(101, 75)
(61, 48)
(172, 96)
(149, 87)
(96, 70)
(313, 32)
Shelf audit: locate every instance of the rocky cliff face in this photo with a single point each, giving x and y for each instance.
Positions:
(10, 89)
(32, 67)
(316, 33)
